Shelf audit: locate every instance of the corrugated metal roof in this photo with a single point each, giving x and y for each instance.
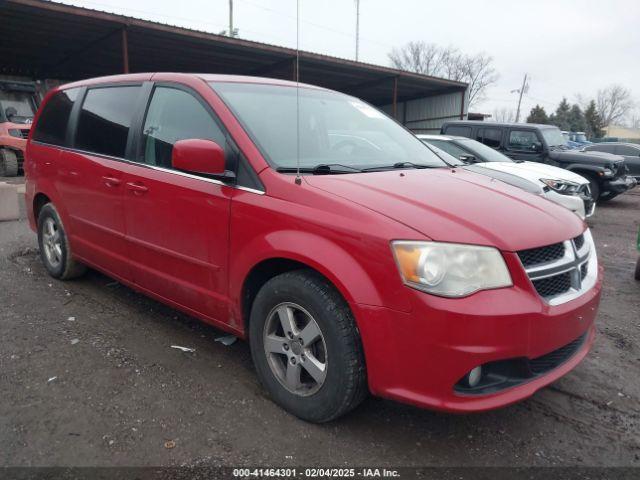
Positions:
(54, 40)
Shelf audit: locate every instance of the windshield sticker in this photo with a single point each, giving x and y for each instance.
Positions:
(367, 110)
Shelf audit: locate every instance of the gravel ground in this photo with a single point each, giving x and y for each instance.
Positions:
(88, 378)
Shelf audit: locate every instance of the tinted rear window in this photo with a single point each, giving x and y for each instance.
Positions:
(458, 130)
(52, 123)
(105, 119)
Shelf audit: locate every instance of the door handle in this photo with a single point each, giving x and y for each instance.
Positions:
(111, 181)
(137, 188)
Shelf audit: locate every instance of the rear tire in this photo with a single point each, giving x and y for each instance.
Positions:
(317, 380)
(8, 163)
(605, 197)
(637, 275)
(55, 250)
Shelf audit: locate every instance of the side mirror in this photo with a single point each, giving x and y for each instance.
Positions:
(536, 147)
(203, 157)
(468, 159)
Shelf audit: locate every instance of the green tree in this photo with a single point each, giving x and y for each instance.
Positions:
(561, 116)
(538, 115)
(594, 123)
(576, 120)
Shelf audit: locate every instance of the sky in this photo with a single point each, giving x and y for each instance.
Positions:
(567, 47)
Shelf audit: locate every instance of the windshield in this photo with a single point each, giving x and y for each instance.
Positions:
(334, 128)
(22, 102)
(482, 152)
(553, 137)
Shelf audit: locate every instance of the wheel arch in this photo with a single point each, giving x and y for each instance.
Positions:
(39, 200)
(298, 250)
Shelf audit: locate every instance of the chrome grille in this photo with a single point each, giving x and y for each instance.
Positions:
(562, 271)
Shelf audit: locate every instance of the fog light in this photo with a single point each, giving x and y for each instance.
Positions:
(473, 377)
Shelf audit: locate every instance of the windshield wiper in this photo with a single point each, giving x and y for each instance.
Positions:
(322, 169)
(399, 165)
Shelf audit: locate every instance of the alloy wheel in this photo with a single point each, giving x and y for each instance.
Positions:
(295, 348)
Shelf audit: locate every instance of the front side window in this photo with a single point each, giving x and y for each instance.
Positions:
(54, 118)
(523, 139)
(175, 115)
(333, 128)
(601, 148)
(627, 151)
(449, 147)
(490, 137)
(483, 152)
(105, 119)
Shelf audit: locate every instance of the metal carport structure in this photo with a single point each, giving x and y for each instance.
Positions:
(48, 40)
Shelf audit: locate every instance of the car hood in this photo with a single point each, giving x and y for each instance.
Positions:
(535, 171)
(453, 205)
(601, 159)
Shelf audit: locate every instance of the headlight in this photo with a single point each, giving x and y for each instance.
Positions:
(450, 269)
(561, 186)
(14, 132)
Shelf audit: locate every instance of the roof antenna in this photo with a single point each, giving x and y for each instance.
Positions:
(298, 178)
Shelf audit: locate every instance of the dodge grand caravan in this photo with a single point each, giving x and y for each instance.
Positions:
(349, 255)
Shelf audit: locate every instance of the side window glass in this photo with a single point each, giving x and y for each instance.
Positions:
(105, 118)
(450, 148)
(605, 148)
(54, 119)
(174, 115)
(458, 130)
(523, 140)
(627, 151)
(490, 137)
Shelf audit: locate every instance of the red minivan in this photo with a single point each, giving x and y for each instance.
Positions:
(349, 255)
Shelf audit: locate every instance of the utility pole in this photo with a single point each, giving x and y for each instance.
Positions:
(357, 28)
(231, 18)
(522, 90)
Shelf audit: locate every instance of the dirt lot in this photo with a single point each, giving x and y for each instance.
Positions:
(88, 378)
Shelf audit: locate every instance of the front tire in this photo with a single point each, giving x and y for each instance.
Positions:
(55, 250)
(637, 274)
(306, 347)
(605, 197)
(594, 186)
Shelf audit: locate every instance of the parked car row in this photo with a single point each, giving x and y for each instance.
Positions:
(352, 257)
(559, 185)
(607, 173)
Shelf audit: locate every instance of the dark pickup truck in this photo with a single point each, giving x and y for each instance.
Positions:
(607, 173)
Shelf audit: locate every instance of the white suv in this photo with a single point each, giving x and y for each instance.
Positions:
(557, 184)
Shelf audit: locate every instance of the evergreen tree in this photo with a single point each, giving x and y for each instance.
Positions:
(594, 123)
(538, 115)
(576, 120)
(561, 116)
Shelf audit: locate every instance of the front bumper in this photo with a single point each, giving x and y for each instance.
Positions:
(419, 357)
(620, 185)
